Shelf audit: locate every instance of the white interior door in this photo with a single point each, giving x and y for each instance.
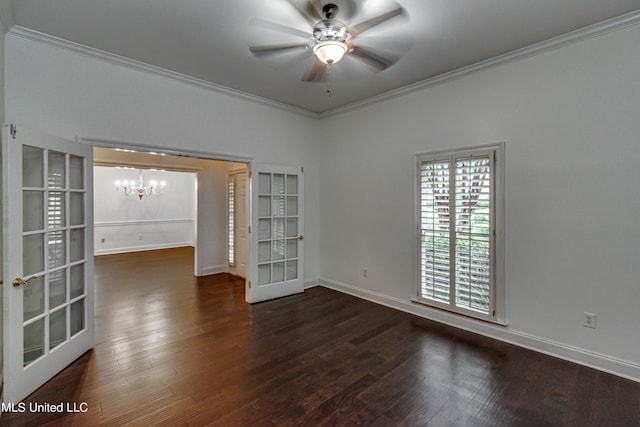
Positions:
(48, 257)
(277, 249)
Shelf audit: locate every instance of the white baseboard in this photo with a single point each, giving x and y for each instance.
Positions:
(311, 283)
(140, 248)
(215, 269)
(601, 362)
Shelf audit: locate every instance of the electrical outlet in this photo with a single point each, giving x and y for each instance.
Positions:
(364, 272)
(589, 320)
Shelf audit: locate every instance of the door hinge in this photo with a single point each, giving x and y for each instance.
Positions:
(250, 173)
(302, 169)
(249, 284)
(249, 229)
(13, 131)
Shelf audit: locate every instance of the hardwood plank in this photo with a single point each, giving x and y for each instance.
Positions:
(176, 350)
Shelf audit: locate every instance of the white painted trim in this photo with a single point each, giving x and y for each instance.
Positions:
(214, 269)
(57, 42)
(613, 24)
(580, 356)
(141, 248)
(610, 25)
(312, 283)
(140, 146)
(103, 224)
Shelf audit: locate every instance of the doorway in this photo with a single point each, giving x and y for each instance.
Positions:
(210, 219)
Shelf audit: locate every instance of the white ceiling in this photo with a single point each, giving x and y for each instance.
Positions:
(209, 40)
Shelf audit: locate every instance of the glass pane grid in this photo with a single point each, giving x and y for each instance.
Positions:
(278, 224)
(53, 303)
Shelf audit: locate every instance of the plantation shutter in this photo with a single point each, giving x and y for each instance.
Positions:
(435, 230)
(456, 196)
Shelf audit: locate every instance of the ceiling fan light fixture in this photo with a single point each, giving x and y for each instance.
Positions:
(330, 51)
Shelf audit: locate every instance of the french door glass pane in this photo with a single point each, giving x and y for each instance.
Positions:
(264, 251)
(277, 250)
(57, 328)
(32, 210)
(32, 167)
(264, 231)
(55, 210)
(292, 184)
(76, 208)
(77, 244)
(292, 227)
(292, 248)
(264, 206)
(278, 184)
(278, 272)
(57, 248)
(33, 254)
(277, 206)
(56, 177)
(33, 341)
(264, 183)
(76, 284)
(77, 317)
(33, 299)
(292, 270)
(76, 173)
(57, 288)
(292, 205)
(264, 274)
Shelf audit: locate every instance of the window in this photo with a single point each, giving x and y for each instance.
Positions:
(459, 205)
(231, 219)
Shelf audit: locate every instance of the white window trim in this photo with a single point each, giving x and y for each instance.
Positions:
(498, 314)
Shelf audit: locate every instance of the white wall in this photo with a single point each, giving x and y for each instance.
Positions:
(571, 122)
(128, 224)
(569, 118)
(80, 95)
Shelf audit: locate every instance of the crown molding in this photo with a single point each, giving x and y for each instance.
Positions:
(57, 42)
(610, 25)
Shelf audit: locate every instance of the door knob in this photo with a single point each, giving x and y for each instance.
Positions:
(19, 281)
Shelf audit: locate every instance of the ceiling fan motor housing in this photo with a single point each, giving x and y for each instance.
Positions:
(330, 29)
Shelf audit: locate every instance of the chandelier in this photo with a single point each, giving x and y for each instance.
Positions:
(131, 188)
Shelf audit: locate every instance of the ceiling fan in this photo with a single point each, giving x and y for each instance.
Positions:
(330, 39)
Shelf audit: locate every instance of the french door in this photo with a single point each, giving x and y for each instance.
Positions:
(48, 257)
(277, 248)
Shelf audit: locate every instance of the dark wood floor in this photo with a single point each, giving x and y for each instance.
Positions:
(175, 350)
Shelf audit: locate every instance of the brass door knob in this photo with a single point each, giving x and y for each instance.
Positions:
(19, 281)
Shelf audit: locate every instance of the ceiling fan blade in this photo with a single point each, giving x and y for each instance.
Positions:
(373, 60)
(317, 72)
(308, 11)
(370, 23)
(276, 48)
(274, 26)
